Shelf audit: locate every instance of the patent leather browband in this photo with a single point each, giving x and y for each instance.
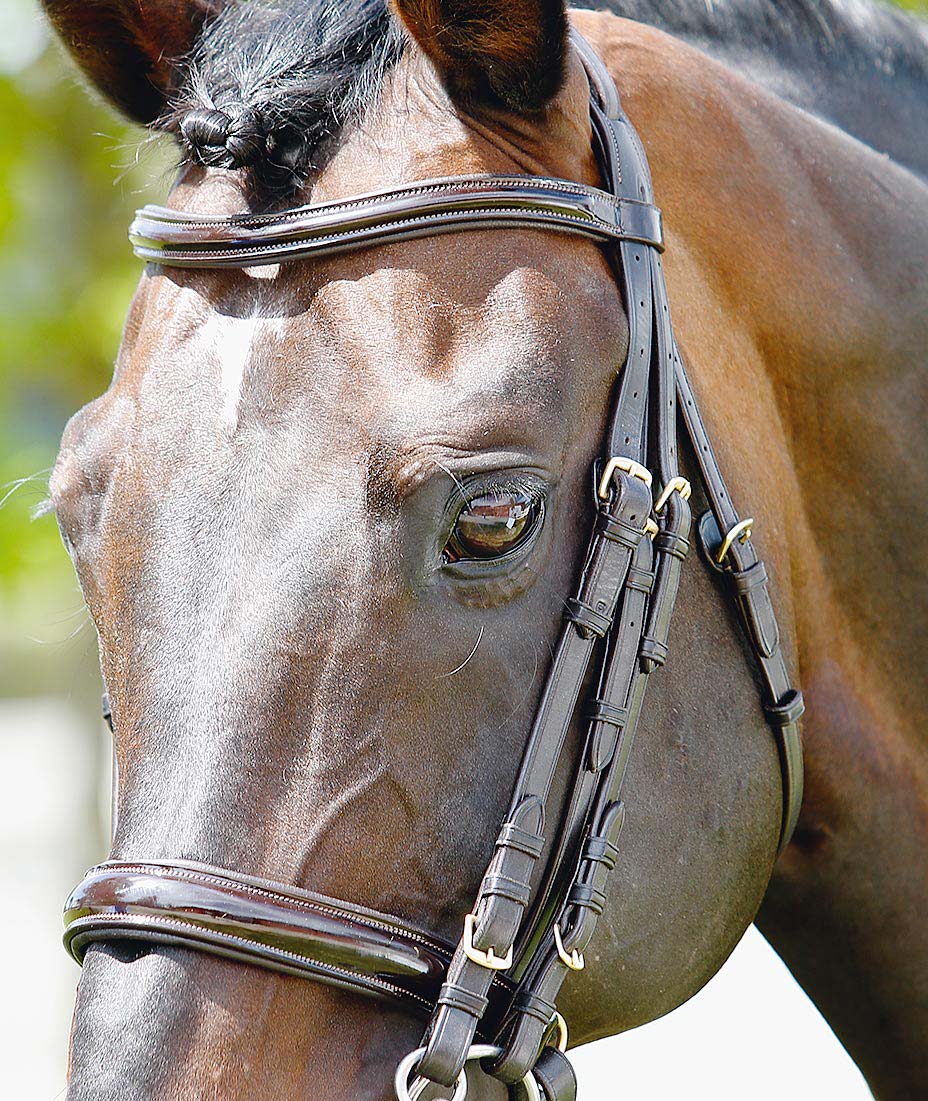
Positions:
(545, 885)
(445, 205)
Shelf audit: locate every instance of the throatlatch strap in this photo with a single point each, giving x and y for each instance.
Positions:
(727, 547)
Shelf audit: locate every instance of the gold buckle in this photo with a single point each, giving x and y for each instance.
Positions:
(573, 959)
(561, 1024)
(488, 959)
(650, 528)
(675, 485)
(741, 531)
(619, 462)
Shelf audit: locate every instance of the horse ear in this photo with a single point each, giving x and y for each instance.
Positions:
(129, 49)
(512, 51)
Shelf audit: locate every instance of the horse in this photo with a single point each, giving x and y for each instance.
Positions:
(327, 514)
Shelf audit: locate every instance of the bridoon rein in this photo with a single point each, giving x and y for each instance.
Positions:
(533, 919)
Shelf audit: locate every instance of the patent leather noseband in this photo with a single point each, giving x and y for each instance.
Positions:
(545, 885)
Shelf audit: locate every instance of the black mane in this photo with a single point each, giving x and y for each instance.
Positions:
(270, 81)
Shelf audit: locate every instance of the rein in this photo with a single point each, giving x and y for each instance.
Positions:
(533, 919)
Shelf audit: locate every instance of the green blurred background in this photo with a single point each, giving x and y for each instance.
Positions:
(71, 174)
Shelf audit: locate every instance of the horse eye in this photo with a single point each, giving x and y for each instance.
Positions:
(493, 524)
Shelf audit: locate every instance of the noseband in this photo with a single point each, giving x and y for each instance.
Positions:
(533, 918)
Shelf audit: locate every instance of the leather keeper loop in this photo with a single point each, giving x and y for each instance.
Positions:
(512, 836)
(652, 650)
(744, 581)
(533, 1005)
(587, 618)
(668, 542)
(587, 897)
(599, 850)
(602, 711)
(555, 1075)
(504, 886)
(788, 710)
(617, 531)
(641, 581)
(456, 997)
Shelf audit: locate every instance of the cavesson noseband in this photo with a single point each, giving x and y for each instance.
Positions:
(545, 887)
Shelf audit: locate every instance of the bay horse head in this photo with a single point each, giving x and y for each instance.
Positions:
(326, 519)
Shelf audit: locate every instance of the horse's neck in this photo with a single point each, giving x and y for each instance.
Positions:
(796, 274)
(797, 279)
(865, 71)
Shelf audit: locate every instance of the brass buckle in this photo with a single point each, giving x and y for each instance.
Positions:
(573, 959)
(741, 531)
(488, 959)
(620, 462)
(650, 528)
(675, 485)
(561, 1026)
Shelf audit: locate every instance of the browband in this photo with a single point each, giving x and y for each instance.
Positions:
(445, 205)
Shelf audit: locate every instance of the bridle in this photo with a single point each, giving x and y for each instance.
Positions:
(533, 919)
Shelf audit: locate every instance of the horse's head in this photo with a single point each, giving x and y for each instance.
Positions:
(327, 513)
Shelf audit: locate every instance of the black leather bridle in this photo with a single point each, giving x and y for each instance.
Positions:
(533, 919)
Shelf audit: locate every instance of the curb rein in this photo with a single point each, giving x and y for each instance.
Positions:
(529, 928)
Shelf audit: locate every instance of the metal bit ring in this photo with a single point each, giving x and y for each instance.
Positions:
(406, 1091)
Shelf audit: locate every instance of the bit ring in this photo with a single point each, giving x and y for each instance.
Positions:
(406, 1091)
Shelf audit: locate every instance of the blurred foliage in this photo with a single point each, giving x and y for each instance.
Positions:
(69, 181)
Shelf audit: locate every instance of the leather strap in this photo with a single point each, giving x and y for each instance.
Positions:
(640, 638)
(748, 578)
(433, 206)
(498, 917)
